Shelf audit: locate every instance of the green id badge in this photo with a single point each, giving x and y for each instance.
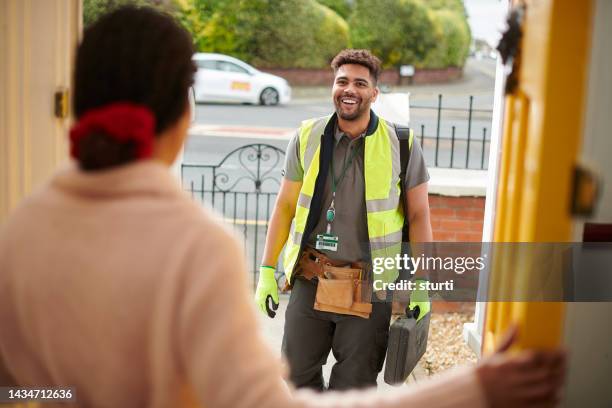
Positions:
(327, 241)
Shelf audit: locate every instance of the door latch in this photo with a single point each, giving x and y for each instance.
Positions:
(585, 191)
(61, 103)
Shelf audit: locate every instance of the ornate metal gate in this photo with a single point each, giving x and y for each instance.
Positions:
(242, 187)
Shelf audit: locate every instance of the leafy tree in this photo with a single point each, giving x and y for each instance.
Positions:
(277, 33)
(344, 8)
(458, 37)
(308, 33)
(194, 15)
(452, 40)
(452, 5)
(397, 31)
(93, 9)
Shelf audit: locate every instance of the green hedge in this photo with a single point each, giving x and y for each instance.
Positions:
(343, 7)
(452, 5)
(332, 34)
(276, 33)
(452, 40)
(427, 34)
(397, 31)
(309, 33)
(93, 9)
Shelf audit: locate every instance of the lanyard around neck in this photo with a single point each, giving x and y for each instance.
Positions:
(336, 182)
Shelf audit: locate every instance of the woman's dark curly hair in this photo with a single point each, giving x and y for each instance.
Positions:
(137, 55)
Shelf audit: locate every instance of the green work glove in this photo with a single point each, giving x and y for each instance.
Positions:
(267, 288)
(420, 298)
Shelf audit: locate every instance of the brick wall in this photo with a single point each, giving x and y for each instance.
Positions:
(325, 77)
(435, 76)
(457, 219)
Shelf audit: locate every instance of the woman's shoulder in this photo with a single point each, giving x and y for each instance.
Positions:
(27, 212)
(207, 225)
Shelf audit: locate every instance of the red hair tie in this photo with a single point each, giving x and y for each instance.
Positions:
(122, 121)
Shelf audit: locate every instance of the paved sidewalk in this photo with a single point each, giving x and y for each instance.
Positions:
(237, 131)
(273, 332)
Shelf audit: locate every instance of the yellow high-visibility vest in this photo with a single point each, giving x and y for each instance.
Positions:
(382, 168)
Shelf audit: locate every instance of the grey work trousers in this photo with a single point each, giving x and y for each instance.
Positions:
(359, 345)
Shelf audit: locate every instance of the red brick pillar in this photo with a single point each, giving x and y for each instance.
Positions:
(456, 219)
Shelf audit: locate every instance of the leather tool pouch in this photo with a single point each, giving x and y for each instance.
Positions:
(339, 290)
(335, 293)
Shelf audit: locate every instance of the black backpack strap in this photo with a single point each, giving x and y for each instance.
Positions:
(404, 135)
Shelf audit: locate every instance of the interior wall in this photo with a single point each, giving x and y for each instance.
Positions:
(588, 331)
(597, 142)
(37, 43)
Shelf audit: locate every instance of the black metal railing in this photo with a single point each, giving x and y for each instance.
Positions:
(453, 137)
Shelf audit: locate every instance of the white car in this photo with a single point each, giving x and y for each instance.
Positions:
(221, 78)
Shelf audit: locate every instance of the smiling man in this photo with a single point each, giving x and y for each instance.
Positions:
(338, 208)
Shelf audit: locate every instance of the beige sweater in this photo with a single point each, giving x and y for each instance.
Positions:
(117, 284)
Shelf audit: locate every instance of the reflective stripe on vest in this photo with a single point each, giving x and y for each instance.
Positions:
(385, 216)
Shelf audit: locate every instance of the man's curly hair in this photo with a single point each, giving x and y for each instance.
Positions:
(359, 57)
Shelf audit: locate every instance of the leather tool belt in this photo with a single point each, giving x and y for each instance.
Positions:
(342, 288)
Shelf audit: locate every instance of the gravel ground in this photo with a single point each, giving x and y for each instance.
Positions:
(445, 346)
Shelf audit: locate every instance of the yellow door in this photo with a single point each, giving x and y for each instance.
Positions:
(541, 137)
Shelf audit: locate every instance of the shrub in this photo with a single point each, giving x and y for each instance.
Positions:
(194, 15)
(93, 9)
(452, 40)
(307, 33)
(396, 31)
(277, 33)
(452, 5)
(343, 7)
(331, 35)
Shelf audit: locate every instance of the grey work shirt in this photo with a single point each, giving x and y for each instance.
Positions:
(350, 223)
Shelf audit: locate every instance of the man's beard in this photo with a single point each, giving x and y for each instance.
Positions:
(361, 109)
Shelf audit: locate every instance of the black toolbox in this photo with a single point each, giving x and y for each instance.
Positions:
(407, 344)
